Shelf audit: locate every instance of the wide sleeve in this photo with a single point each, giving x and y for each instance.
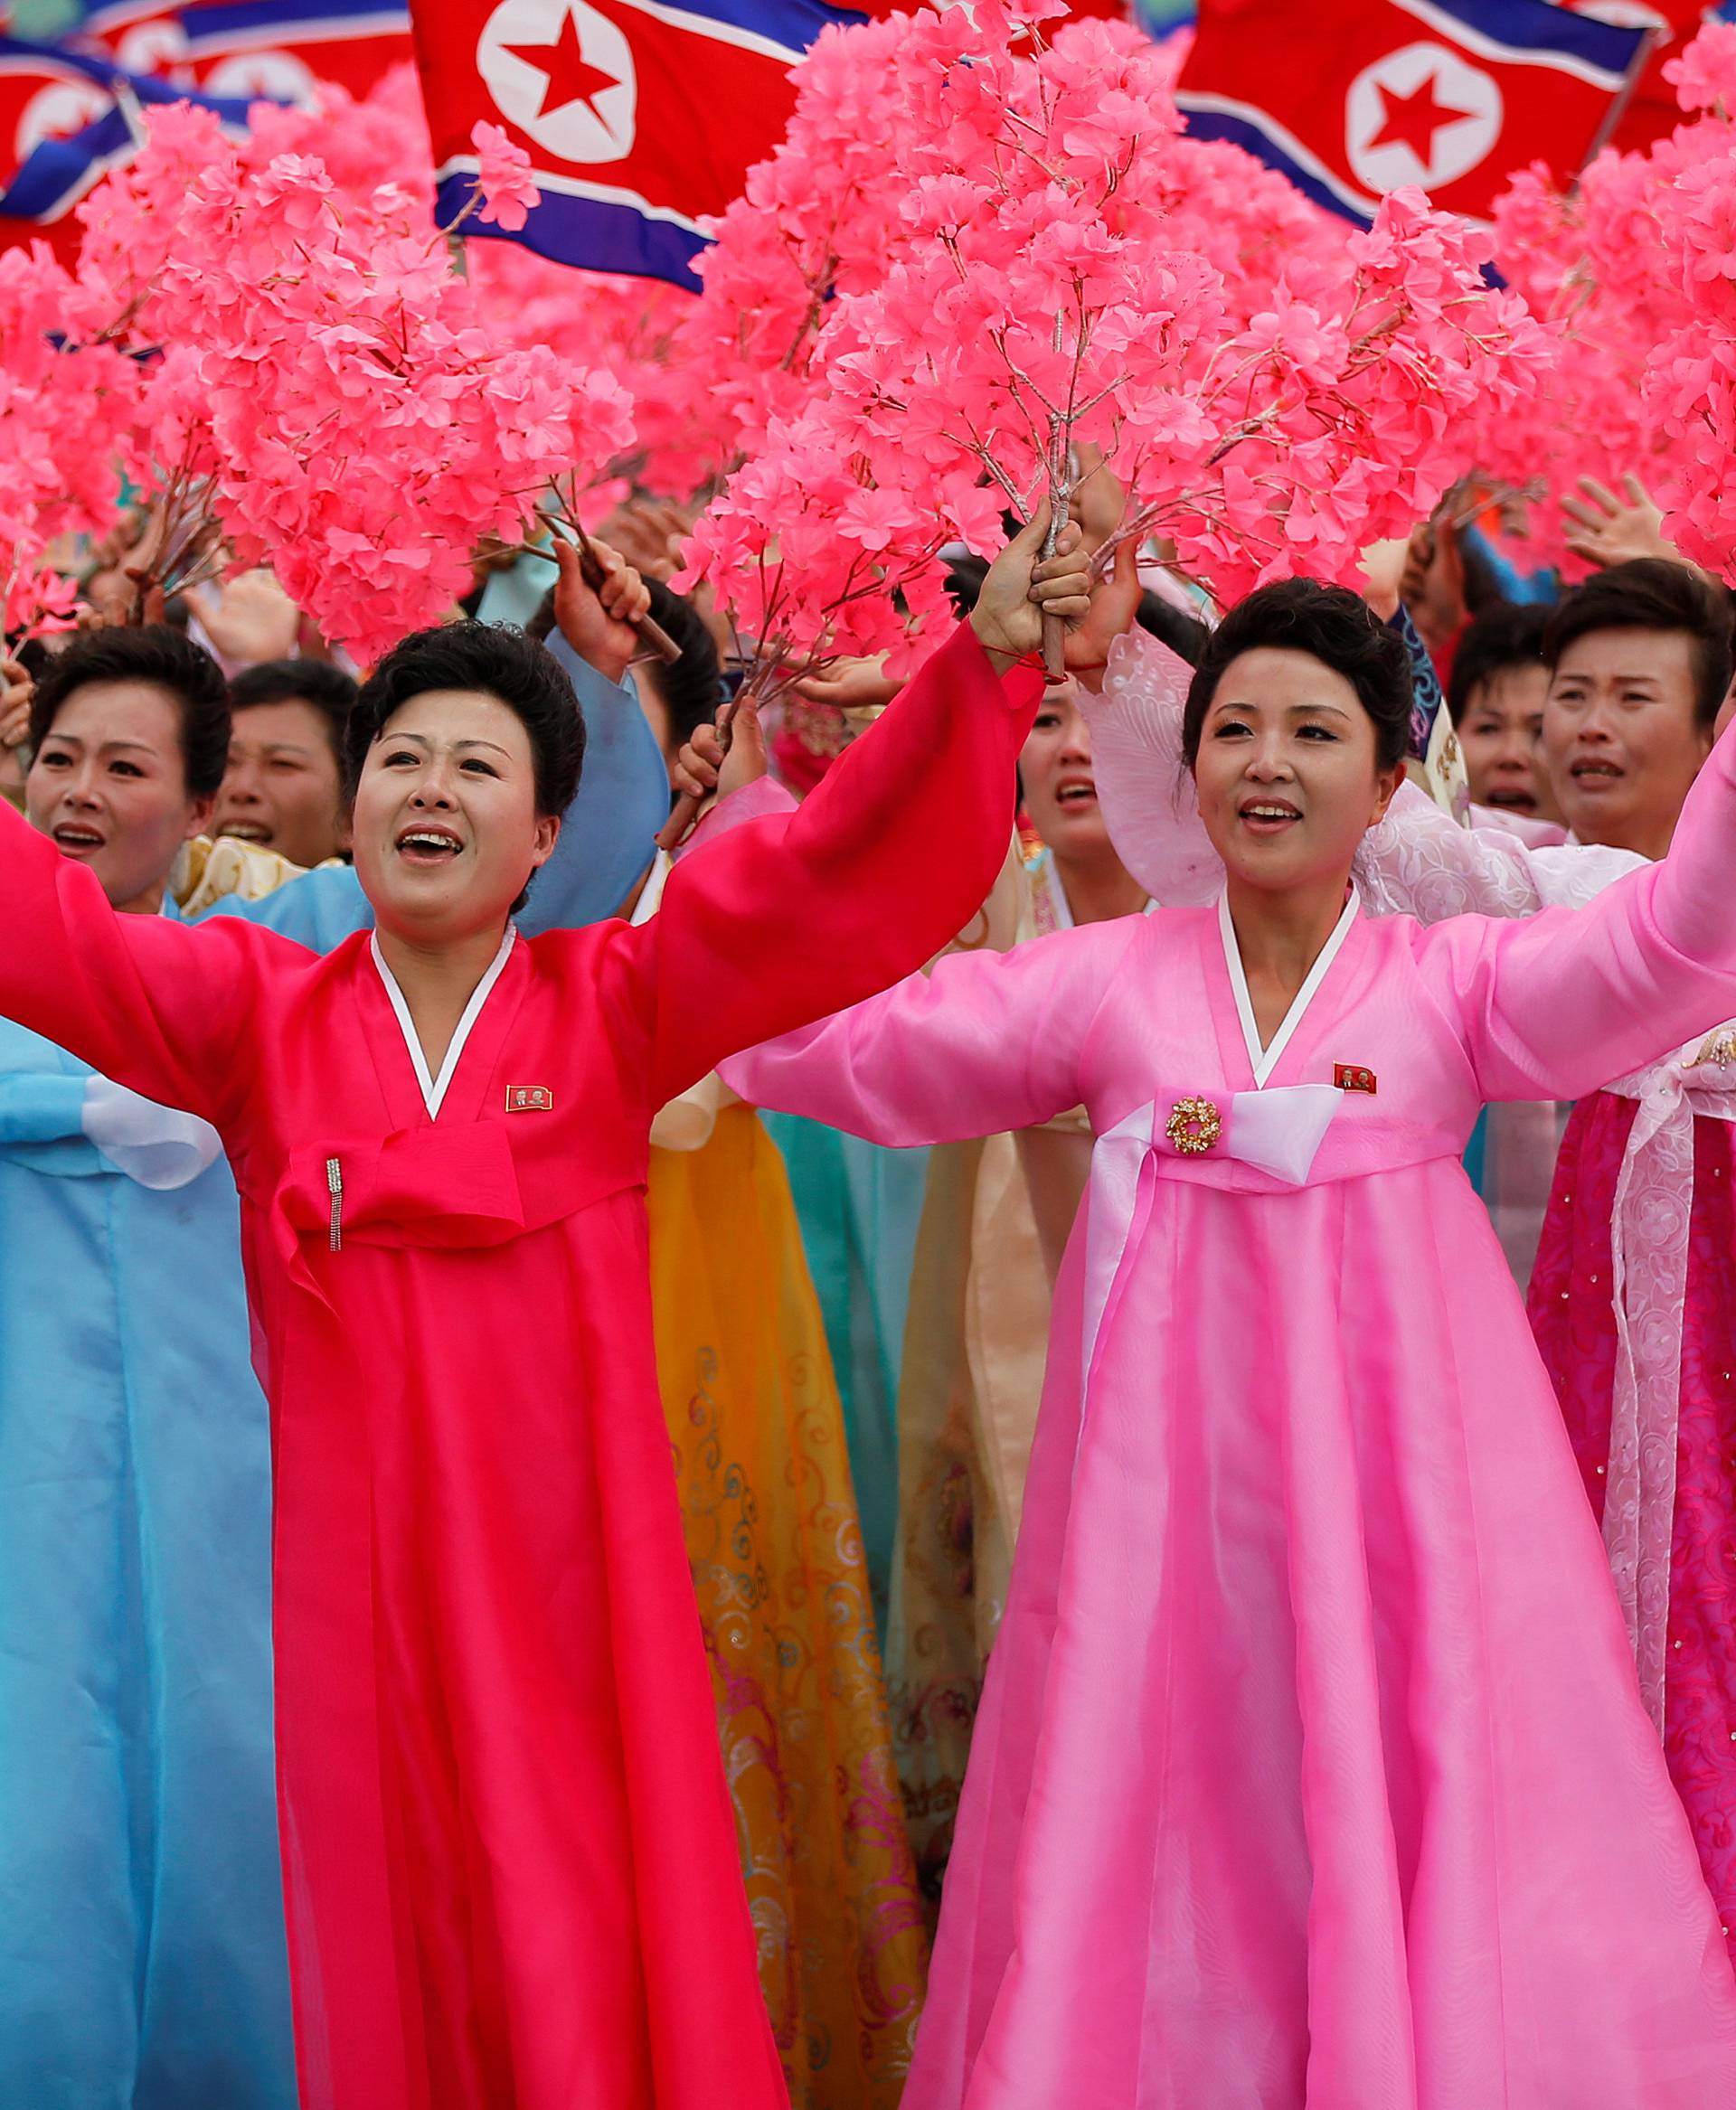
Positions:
(609, 833)
(989, 1042)
(1556, 1004)
(160, 1006)
(1419, 862)
(787, 920)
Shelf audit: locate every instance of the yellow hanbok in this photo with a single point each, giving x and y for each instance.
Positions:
(776, 1547)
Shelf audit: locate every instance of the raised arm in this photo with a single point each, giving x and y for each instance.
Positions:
(780, 922)
(154, 1005)
(989, 1042)
(1419, 862)
(1556, 1004)
(783, 920)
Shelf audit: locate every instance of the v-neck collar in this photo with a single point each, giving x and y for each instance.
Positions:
(1262, 1062)
(434, 1088)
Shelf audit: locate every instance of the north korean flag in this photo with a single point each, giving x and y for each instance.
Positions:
(639, 117)
(281, 49)
(66, 119)
(1351, 98)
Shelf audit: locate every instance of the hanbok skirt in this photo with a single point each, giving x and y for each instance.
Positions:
(1573, 1317)
(776, 1549)
(1312, 1768)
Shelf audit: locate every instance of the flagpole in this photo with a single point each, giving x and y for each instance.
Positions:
(1618, 109)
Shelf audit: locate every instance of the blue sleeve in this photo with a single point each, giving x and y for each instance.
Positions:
(607, 839)
(320, 910)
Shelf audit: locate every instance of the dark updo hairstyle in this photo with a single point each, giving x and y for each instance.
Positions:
(496, 661)
(1507, 634)
(1653, 593)
(166, 659)
(1333, 626)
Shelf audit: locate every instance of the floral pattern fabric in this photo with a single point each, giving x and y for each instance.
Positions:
(1573, 1317)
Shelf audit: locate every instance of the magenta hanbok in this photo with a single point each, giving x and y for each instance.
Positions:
(1312, 1768)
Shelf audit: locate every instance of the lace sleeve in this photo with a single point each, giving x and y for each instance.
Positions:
(1419, 862)
(1142, 782)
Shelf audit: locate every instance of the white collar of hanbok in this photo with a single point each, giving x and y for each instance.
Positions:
(1264, 1061)
(434, 1088)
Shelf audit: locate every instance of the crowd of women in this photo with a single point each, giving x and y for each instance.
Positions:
(1044, 1417)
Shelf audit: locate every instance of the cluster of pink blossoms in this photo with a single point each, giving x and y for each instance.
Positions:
(323, 383)
(986, 249)
(1629, 271)
(58, 379)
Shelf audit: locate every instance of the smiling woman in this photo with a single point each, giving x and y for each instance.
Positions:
(131, 730)
(497, 1757)
(1268, 1801)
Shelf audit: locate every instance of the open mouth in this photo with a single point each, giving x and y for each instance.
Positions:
(1594, 776)
(1078, 791)
(1509, 798)
(1267, 817)
(246, 831)
(428, 845)
(77, 841)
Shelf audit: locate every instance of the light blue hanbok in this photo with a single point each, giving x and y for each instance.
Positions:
(142, 1958)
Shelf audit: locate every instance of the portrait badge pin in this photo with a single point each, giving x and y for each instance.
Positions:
(1353, 1077)
(528, 1098)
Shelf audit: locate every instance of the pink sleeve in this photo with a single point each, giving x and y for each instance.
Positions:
(158, 1005)
(989, 1042)
(788, 918)
(1555, 1004)
(764, 797)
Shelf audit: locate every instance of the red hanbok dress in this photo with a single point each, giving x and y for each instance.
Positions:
(509, 1860)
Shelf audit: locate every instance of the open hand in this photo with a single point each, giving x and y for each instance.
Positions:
(600, 625)
(249, 618)
(1607, 532)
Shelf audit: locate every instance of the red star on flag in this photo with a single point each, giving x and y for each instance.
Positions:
(1412, 121)
(570, 78)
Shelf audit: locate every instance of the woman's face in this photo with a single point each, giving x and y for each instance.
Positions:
(1499, 736)
(1620, 738)
(284, 786)
(446, 826)
(109, 785)
(1059, 790)
(1287, 775)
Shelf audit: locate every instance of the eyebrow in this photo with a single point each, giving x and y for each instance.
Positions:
(1649, 680)
(1290, 709)
(421, 740)
(71, 740)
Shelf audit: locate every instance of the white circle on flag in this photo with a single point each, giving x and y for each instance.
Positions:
(270, 76)
(57, 112)
(564, 75)
(1421, 115)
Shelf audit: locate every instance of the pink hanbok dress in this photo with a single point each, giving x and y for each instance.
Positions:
(1311, 1769)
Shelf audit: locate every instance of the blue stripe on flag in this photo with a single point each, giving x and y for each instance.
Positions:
(1526, 27)
(588, 234)
(294, 18)
(58, 172)
(793, 24)
(1254, 139)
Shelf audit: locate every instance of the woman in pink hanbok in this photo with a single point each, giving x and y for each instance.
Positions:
(1311, 1767)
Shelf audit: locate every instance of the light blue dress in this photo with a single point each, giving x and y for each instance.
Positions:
(142, 1962)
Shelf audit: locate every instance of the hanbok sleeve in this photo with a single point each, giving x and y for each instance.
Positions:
(1419, 862)
(788, 918)
(160, 1006)
(609, 834)
(1556, 1004)
(989, 1042)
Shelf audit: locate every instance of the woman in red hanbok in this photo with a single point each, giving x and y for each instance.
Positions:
(508, 1857)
